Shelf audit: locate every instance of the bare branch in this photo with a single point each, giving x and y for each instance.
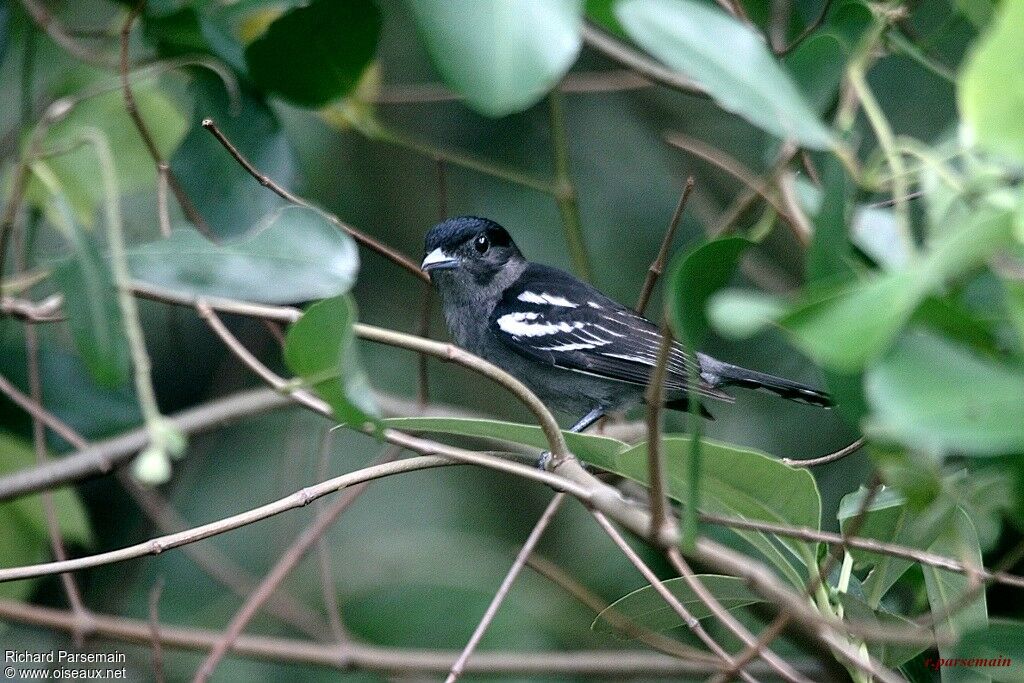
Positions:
(655, 398)
(826, 459)
(636, 61)
(616, 664)
(657, 266)
(164, 172)
(357, 235)
(506, 585)
(691, 622)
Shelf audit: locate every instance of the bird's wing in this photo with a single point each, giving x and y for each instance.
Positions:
(551, 317)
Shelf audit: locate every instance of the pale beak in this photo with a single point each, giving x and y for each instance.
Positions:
(438, 260)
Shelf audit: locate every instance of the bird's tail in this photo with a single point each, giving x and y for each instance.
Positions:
(719, 374)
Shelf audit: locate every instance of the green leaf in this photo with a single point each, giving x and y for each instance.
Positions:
(602, 13)
(501, 56)
(888, 519)
(314, 54)
(1002, 643)
(297, 255)
(744, 79)
(991, 87)
(846, 329)
(646, 608)
(742, 313)
(76, 170)
(830, 255)
(946, 590)
(24, 535)
(90, 302)
(696, 276)
(319, 348)
(933, 395)
(891, 654)
(742, 483)
(588, 447)
(90, 299)
(226, 196)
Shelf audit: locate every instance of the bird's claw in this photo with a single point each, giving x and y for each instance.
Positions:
(544, 461)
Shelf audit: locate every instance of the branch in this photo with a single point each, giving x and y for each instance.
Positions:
(732, 166)
(359, 236)
(637, 62)
(164, 172)
(506, 585)
(615, 664)
(565, 190)
(284, 566)
(49, 24)
(657, 266)
(826, 459)
(691, 622)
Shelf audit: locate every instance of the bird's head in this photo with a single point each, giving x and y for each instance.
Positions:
(469, 250)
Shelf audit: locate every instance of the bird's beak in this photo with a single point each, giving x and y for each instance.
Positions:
(438, 260)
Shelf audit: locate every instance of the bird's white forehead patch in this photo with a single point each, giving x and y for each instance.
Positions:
(520, 324)
(545, 298)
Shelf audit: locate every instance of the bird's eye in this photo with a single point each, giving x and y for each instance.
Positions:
(481, 243)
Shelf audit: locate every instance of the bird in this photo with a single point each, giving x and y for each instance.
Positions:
(578, 350)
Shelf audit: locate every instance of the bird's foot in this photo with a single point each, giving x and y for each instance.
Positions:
(544, 461)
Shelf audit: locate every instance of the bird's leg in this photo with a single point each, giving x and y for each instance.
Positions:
(587, 420)
(584, 423)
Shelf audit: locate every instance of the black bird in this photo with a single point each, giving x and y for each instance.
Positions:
(578, 351)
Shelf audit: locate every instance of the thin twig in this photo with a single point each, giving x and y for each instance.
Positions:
(154, 625)
(619, 621)
(691, 622)
(826, 459)
(657, 266)
(162, 210)
(577, 82)
(779, 665)
(48, 23)
(189, 209)
(655, 398)
(732, 166)
(612, 664)
(357, 235)
(159, 511)
(284, 566)
(636, 61)
(53, 529)
(808, 30)
(323, 551)
(565, 190)
(506, 585)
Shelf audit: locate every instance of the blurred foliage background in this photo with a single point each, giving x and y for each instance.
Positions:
(351, 105)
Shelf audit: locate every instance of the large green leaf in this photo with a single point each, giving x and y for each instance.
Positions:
(76, 170)
(742, 483)
(830, 256)
(646, 607)
(947, 589)
(937, 396)
(991, 87)
(314, 54)
(295, 256)
(745, 78)
(24, 535)
(319, 348)
(1001, 644)
(501, 56)
(695, 277)
(588, 447)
